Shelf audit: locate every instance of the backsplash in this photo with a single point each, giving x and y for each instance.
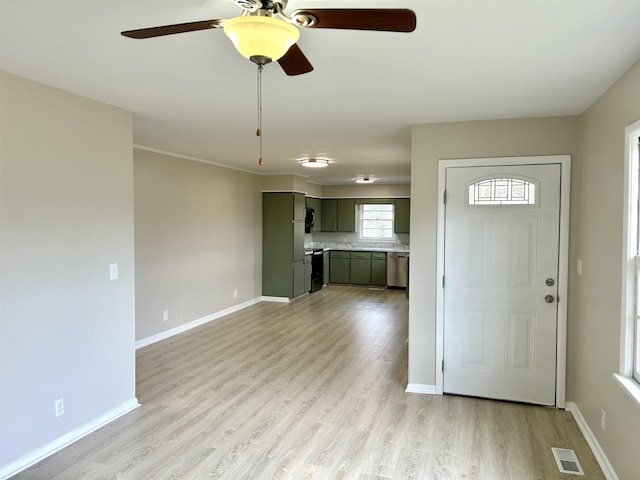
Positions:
(348, 241)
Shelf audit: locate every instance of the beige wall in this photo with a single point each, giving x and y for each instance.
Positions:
(197, 239)
(433, 142)
(597, 296)
(296, 183)
(366, 191)
(66, 214)
(314, 190)
(283, 183)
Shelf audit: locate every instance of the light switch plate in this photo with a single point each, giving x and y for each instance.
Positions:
(113, 271)
(579, 267)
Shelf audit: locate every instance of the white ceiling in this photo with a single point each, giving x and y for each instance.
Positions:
(192, 94)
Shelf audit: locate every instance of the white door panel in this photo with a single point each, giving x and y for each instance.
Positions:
(499, 332)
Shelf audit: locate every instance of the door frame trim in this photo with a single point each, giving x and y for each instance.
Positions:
(563, 257)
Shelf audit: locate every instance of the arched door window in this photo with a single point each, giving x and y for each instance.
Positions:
(502, 191)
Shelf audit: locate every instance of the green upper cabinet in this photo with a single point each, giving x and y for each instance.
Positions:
(299, 209)
(346, 215)
(316, 204)
(402, 215)
(317, 207)
(329, 215)
(338, 215)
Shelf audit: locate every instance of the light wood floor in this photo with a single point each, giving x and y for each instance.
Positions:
(310, 390)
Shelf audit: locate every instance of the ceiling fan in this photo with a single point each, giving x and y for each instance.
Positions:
(264, 32)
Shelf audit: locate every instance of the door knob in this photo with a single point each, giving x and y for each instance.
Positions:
(548, 299)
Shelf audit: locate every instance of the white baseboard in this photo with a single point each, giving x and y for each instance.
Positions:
(284, 299)
(421, 388)
(275, 299)
(597, 450)
(196, 323)
(50, 448)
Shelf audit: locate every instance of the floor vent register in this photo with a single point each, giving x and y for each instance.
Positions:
(567, 461)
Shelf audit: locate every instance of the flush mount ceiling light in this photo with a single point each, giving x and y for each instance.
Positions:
(365, 180)
(261, 39)
(314, 162)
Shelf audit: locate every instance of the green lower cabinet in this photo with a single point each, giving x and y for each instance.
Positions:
(360, 271)
(339, 262)
(307, 273)
(360, 268)
(379, 269)
(325, 268)
(298, 279)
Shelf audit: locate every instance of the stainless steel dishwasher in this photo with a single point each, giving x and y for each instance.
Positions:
(397, 269)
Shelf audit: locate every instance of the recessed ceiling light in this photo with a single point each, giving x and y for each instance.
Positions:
(314, 162)
(365, 180)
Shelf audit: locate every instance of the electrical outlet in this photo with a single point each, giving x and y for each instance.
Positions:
(603, 418)
(235, 293)
(59, 407)
(165, 315)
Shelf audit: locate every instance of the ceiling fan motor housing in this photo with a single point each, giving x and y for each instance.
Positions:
(249, 5)
(254, 5)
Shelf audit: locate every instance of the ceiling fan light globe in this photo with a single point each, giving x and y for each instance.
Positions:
(257, 36)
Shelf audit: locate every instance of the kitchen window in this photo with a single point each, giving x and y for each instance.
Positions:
(629, 373)
(376, 222)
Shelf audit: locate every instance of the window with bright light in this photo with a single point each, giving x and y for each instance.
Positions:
(376, 222)
(629, 374)
(635, 319)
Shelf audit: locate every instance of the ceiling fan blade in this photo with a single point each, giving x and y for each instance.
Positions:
(294, 62)
(172, 29)
(381, 19)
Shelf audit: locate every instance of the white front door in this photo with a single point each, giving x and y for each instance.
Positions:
(501, 282)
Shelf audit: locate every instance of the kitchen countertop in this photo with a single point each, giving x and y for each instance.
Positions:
(400, 248)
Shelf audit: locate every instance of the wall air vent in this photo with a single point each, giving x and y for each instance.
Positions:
(567, 461)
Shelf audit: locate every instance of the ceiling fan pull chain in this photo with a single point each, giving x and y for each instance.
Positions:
(259, 131)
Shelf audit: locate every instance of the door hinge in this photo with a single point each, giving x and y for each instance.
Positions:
(444, 197)
(442, 281)
(443, 365)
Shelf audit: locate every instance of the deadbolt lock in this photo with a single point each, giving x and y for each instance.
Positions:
(550, 282)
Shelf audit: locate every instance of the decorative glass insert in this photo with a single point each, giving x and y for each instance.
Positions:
(502, 191)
